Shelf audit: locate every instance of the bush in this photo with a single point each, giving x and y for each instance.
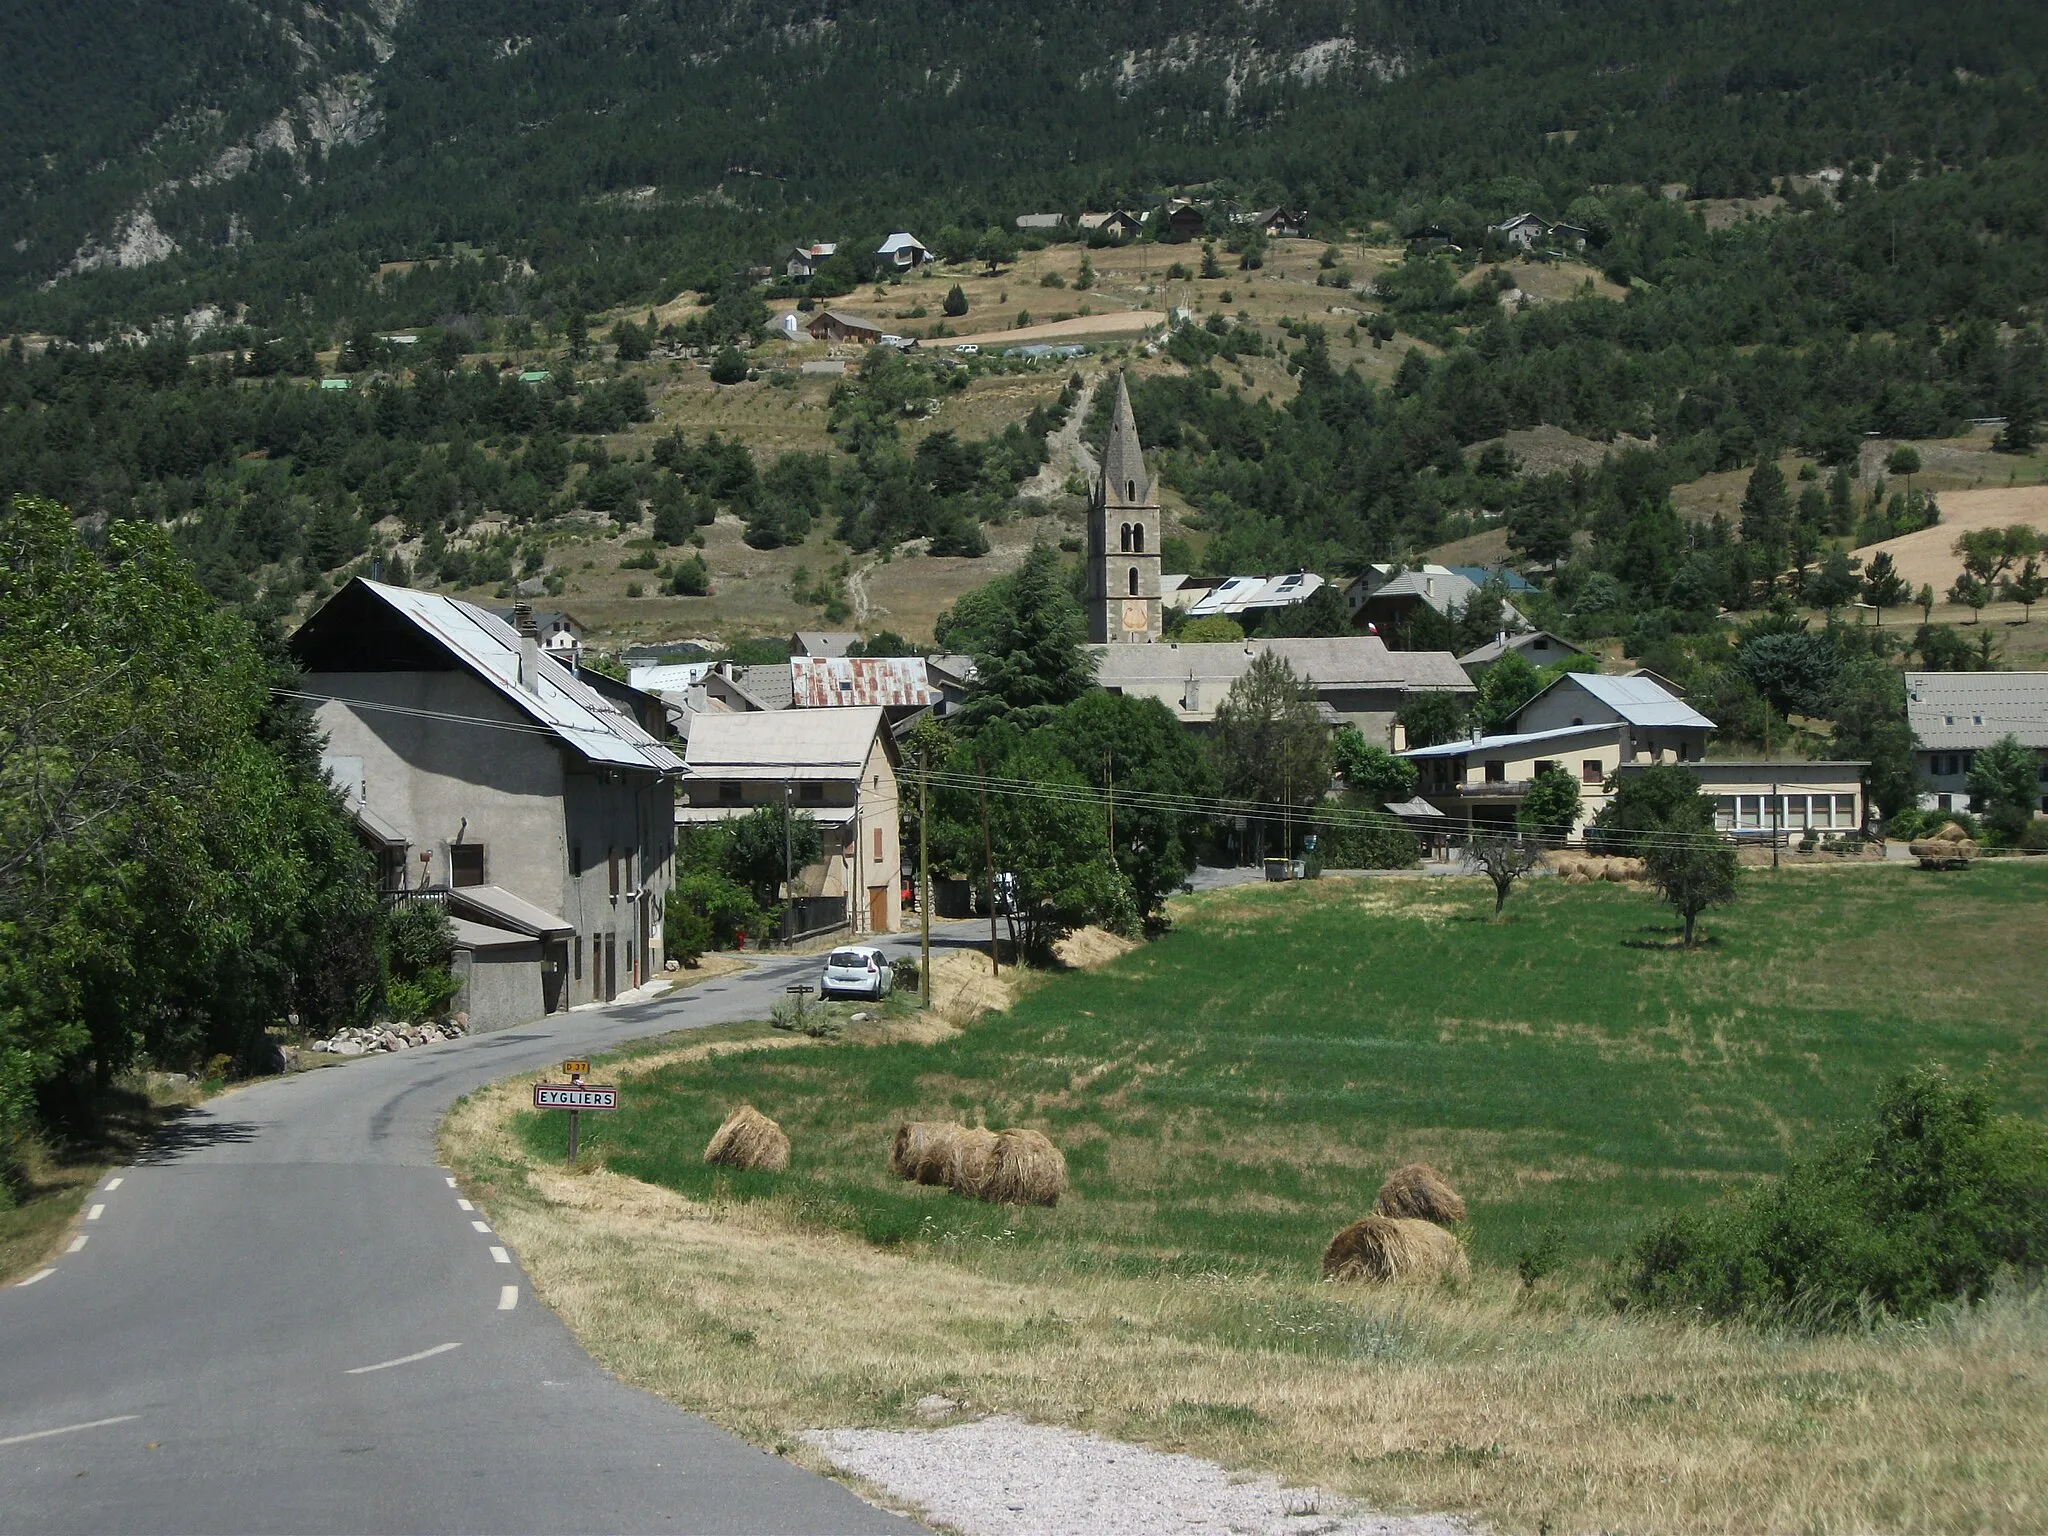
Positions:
(1924, 1203)
(420, 948)
(685, 933)
(729, 366)
(1377, 845)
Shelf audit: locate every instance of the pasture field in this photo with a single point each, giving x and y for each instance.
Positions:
(1231, 1094)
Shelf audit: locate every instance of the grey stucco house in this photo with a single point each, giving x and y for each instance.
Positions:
(489, 776)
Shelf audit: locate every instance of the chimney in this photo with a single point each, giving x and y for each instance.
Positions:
(529, 647)
(1478, 733)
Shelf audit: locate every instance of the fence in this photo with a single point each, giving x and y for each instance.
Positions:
(806, 915)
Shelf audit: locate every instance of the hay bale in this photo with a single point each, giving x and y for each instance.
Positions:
(1418, 1190)
(1025, 1169)
(923, 1151)
(749, 1139)
(1620, 870)
(974, 1160)
(1579, 877)
(1385, 1249)
(1565, 865)
(1948, 832)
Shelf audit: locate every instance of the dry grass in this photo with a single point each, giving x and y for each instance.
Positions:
(1522, 1411)
(1387, 1250)
(1929, 555)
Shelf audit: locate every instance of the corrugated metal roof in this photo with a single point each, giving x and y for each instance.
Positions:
(1339, 661)
(1464, 746)
(790, 743)
(599, 729)
(837, 682)
(1968, 710)
(497, 906)
(1638, 700)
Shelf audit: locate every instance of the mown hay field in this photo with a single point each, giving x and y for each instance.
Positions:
(1230, 1096)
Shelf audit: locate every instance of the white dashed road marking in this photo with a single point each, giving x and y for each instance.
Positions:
(77, 1243)
(41, 1274)
(481, 1226)
(500, 1256)
(508, 1297)
(94, 1213)
(464, 1205)
(385, 1365)
(451, 1181)
(112, 1185)
(69, 1429)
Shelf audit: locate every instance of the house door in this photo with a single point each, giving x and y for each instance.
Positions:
(611, 966)
(644, 969)
(554, 975)
(878, 909)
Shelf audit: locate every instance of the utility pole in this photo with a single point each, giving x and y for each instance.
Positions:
(788, 881)
(1109, 783)
(924, 883)
(1777, 804)
(988, 858)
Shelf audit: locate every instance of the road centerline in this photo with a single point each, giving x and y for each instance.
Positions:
(69, 1429)
(385, 1365)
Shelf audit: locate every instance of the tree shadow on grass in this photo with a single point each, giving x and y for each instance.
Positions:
(1669, 939)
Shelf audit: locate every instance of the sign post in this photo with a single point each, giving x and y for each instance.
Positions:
(575, 1096)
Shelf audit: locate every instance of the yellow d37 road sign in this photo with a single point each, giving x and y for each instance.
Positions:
(576, 1068)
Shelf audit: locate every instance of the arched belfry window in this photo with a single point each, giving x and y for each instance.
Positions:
(1134, 581)
(1138, 538)
(1130, 490)
(1127, 538)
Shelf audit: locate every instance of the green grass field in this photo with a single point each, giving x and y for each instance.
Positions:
(1230, 1095)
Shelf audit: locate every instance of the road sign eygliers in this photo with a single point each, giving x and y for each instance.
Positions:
(575, 1096)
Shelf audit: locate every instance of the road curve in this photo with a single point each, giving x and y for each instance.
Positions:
(282, 1320)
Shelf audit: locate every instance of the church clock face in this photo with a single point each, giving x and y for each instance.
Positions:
(1136, 619)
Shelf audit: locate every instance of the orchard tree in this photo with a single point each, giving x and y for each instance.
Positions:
(1693, 869)
(1503, 858)
(2026, 588)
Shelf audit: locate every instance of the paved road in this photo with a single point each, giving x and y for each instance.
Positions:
(281, 1320)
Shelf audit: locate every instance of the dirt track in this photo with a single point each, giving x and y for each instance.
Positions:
(1129, 322)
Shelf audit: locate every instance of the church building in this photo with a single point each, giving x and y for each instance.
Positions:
(1123, 539)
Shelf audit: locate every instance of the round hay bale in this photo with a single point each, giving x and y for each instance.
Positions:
(974, 1160)
(749, 1139)
(923, 1151)
(1626, 869)
(1948, 832)
(1578, 877)
(1386, 1249)
(1025, 1169)
(1565, 864)
(1418, 1190)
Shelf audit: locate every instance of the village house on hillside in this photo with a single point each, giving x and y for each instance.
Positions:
(1387, 595)
(837, 765)
(1116, 224)
(1538, 647)
(903, 251)
(838, 325)
(1237, 596)
(1955, 715)
(561, 634)
(803, 261)
(488, 776)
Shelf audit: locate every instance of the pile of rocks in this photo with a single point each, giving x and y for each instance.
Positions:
(391, 1037)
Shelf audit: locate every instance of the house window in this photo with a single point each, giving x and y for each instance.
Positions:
(812, 794)
(878, 845)
(1724, 813)
(728, 794)
(1589, 771)
(1496, 771)
(576, 868)
(579, 957)
(614, 862)
(465, 863)
(1543, 766)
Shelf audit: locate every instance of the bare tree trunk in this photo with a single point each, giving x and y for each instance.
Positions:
(1688, 930)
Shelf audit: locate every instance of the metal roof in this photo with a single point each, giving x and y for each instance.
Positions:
(1491, 651)
(835, 682)
(1640, 701)
(495, 905)
(600, 730)
(767, 684)
(823, 642)
(1339, 661)
(1968, 710)
(1464, 746)
(778, 744)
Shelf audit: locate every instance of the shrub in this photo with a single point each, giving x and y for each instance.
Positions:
(1924, 1203)
(685, 933)
(1376, 845)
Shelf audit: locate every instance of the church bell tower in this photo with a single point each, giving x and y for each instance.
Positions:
(1123, 539)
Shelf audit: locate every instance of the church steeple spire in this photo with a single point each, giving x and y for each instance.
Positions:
(1123, 461)
(1123, 537)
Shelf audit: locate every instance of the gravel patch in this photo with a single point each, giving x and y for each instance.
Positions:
(1003, 1477)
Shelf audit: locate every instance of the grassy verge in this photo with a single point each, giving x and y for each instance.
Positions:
(1228, 1096)
(56, 1175)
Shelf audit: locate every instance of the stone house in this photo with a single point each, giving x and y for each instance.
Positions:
(484, 771)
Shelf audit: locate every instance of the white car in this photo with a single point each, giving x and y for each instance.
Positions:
(967, 349)
(855, 972)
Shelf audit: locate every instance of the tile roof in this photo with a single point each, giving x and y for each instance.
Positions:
(1967, 710)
